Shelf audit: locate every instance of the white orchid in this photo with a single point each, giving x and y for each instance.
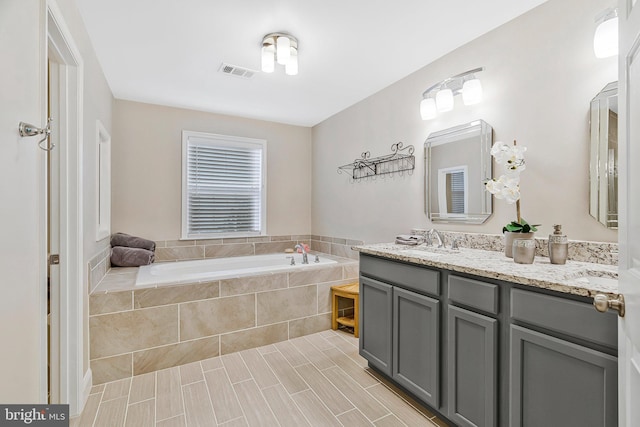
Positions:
(505, 188)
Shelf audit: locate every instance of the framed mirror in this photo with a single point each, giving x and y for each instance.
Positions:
(603, 159)
(457, 164)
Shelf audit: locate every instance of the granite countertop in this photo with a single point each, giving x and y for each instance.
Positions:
(577, 278)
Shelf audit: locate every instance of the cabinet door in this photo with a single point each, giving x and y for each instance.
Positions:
(375, 323)
(416, 349)
(472, 368)
(557, 383)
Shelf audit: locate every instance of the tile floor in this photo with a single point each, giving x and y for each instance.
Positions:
(316, 380)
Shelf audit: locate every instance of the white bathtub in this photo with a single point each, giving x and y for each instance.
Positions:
(222, 268)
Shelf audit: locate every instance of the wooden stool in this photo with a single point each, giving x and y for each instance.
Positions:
(351, 291)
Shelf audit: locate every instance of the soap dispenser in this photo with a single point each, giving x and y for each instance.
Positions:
(558, 246)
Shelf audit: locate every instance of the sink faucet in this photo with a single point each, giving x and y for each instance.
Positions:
(305, 260)
(438, 236)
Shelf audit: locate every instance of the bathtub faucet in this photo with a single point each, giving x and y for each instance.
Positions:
(305, 260)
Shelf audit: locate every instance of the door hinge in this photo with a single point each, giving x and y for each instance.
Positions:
(54, 259)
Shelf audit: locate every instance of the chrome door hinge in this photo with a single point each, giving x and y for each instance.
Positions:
(54, 259)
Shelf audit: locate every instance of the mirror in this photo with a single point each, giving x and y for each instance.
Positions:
(457, 164)
(603, 163)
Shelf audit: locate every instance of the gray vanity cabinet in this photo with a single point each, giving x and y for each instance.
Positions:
(376, 307)
(416, 356)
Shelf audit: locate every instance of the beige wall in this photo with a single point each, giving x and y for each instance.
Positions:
(146, 163)
(540, 75)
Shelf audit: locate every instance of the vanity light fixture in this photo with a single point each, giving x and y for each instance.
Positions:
(439, 97)
(281, 48)
(605, 39)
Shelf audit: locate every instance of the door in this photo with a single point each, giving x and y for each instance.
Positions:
(629, 226)
(376, 306)
(23, 274)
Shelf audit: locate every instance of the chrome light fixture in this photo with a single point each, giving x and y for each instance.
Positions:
(281, 48)
(439, 97)
(605, 39)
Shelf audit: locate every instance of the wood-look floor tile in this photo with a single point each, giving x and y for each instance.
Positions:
(197, 405)
(389, 421)
(315, 411)
(267, 349)
(259, 368)
(256, 410)
(169, 394)
(143, 387)
(97, 389)
(315, 356)
(235, 367)
(404, 396)
(326, 391)
(111, 413)
(223, 397)
(349, 350)
(211, 364)
(406, 413)
(238, 422)
(319, 342)
(141, 414)
(350, 367)
(291, 353)
(173, 422)
(354, 418)
(191, 373)
(285, 373)
(362, 400)
(283, 407)
(116, 389)
(90, 410)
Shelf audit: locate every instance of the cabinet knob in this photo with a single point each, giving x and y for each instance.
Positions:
(602, 303)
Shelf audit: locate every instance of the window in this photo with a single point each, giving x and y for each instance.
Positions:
(453, 191)
(223, 186)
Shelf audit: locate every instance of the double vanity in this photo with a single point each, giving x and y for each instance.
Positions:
(486, 342)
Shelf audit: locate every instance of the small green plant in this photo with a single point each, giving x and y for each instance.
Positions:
(520, 227)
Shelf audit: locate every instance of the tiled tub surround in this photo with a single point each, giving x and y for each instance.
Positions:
(579, 250)
(135, 331)
(335, 246)
(98, 267)
(569, 278)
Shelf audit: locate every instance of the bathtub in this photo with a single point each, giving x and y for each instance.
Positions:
(222, 268)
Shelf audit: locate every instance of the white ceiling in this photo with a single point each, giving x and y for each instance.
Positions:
(168, 52)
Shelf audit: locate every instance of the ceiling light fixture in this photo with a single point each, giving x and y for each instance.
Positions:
(605, 39)
(281, 48)
(439, 97)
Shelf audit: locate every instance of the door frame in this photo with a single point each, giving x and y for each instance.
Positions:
(74, 385)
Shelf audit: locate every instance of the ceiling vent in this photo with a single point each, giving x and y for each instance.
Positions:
(234, 70)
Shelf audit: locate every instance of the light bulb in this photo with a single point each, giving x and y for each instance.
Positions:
(291, 68)
(472, 92)
(605, 40)
(284, 50)
(268, 60)
(444, 100)
(428, 109)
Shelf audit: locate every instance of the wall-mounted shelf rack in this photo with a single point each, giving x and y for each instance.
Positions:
(400, 160)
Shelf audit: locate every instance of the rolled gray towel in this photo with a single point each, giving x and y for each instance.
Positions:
(130, 257)
(122, 239)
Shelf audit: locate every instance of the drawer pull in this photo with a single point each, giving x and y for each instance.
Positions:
(602, 303)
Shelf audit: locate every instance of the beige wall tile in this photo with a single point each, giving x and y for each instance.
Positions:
(205, 242)
(318, 246)
(169, 394)
(325, 390)
(116, 389)
(309, 325)
(245, 285)
(283, 407)
(306, 238)
(191, 373)
(258, 239)
(176, 294)
(314, 410)
(197, 405)
(143, 387)
(101, 303)
(281, 238)
(344, 251)
(178, 243)
(258, 412)
(128, 331)
(242, 340)
(111, 413)
(111, 368)
(179, 253)
(227, 241)
(288, 377)
(225, 403)
(351, 271)
(216, 316)
(141, 414)
(167, 356)
(310, 275)
(273, 247)
(259, 368)
(228, 250)
(324, 294)
(286, 304)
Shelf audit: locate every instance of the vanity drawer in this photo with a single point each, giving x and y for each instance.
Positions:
(474, 293)
(574, 318)
(406, 276)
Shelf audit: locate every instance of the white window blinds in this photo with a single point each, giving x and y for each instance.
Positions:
(223, 186)
(457, 198)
